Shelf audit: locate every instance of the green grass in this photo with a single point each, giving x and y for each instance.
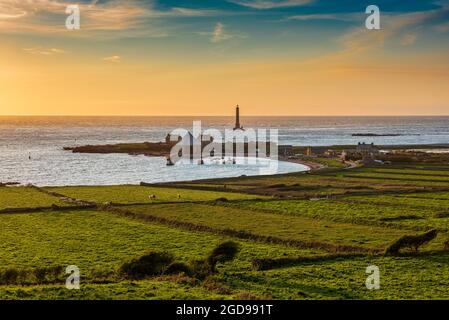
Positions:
(432, 172)
(374, 206)
(26, 197)
(401, 176)
(373, 214)
(288, 227)
(426, 196)
(95, 240)
(152, 289)
(403, 200)
(422, 277)
(338, 182)
(140, 194)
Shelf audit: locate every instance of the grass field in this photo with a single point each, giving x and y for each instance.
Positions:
(140, 194)
(362, 212)
(15, 197)
(304, 221)
(288, 227)
(97, 240)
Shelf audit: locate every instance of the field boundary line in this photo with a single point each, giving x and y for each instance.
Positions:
(361, 222)
(239, 233)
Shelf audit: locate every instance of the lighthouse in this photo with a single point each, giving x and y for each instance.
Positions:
(237, 119)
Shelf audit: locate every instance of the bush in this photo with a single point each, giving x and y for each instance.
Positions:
(224, 252)
(222, 199)
(412, 242)
(9, 276)
(178, 268)
(151, 264)
(31, 276)
(200, 268)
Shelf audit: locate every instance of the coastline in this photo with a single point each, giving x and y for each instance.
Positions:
(313, 166)
(140, 169)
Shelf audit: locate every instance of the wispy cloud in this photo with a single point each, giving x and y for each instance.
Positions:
(113, 59)
(44, 51)
(404, 26)
(219, 33)
(270, 4)
(324, 16)
(48, 16)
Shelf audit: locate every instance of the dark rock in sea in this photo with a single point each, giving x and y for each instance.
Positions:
(380, 135)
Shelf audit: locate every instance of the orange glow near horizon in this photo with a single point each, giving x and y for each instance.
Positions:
(152, 58)
(286, 88)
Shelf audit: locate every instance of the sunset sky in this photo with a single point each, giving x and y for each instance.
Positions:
(202, 57)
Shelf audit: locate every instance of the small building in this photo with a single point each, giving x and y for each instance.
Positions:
(363, 151)
(367, 149)
(285, 150)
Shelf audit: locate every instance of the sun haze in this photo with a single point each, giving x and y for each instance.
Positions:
(188, 58)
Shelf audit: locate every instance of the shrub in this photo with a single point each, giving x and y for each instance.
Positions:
(151, 264)
(31, 276)
(40, 275)
(56, 271)
(179, 268)
(9, 276)
(200, 268)
(224, 252)
(222, 199)
(412, 242)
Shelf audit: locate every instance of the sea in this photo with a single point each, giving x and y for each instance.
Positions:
(31, 148)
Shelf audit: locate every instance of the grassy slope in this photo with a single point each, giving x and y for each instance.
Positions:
(24, 197)
(101, 240)
(425, 277)
(363, 213)
(140, 194)
(286, 227)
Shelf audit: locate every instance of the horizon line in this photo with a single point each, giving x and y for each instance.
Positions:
(211, 116)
